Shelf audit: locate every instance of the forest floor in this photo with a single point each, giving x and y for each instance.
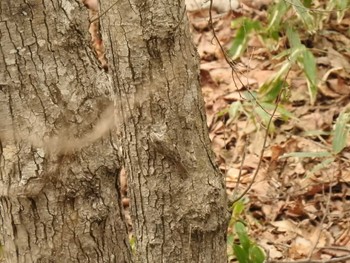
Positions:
(296, 207)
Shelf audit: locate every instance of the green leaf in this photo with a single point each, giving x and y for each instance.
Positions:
(230, 240)
(322, 165)
(222, 112)
(238, 208)
(304, 14)
(282, 54)
(238, 45)
(265, 117)
(307, 154)
(270, 90)
(242, 255)
(310, 70)
(293, 37)
(294, 55)
(277, 14)
(249, 95)
(312, 91)
(233, 220)
(314, 133)
(242, 235)
(280, 109)
(341, 132)
(240, 42)
(236, 23)
(342, 6)
(234, 109)
(273, 85)
(256, 255)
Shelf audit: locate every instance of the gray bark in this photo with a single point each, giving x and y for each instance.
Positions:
(178, 198)
(59, 199)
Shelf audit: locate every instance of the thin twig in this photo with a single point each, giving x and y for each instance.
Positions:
(261, 153)
(336, 248)
(264, 143)
(322, 220)
(240, 171)
(232, 65)
(230, 62)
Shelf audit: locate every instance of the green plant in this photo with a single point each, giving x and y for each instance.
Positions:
(340, 134)
(292, 18)
(296, 54)
(288, 25)
(297, 20)
(246, 251)
(256, 111)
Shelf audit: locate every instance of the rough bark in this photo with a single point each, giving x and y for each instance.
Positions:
(59, 200)
(177, 193)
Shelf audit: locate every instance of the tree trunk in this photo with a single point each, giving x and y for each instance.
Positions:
(178, 198)
(59, 199)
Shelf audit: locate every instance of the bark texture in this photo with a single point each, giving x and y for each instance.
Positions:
(177, 194)
(59, 199)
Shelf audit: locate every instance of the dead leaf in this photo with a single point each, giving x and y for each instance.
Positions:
(300, 248)
(338, 60)
(287, 226)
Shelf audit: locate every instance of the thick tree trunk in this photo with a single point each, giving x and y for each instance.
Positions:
(59, 200)
(177, 194)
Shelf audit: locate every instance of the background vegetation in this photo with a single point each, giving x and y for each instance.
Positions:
(278, 110)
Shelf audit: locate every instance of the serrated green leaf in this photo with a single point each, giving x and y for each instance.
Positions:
(341, 132)
(307, 154)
